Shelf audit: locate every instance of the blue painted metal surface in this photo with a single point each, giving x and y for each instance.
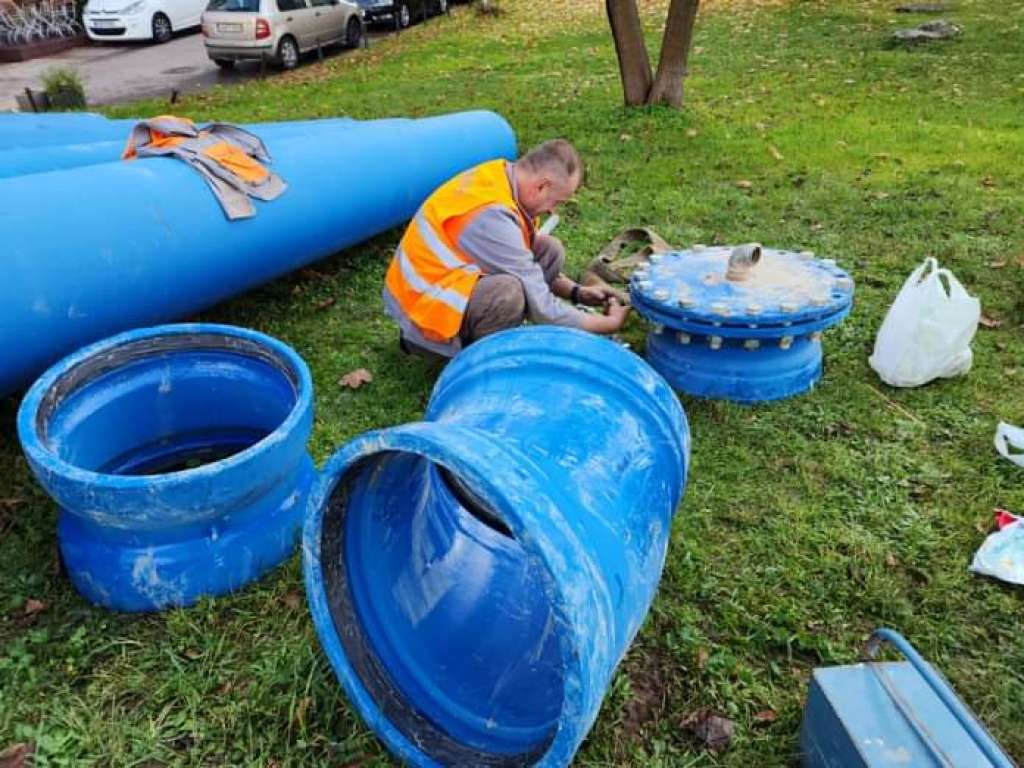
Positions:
(177, 455)
(18, 161)
(476, 577)
(154, 245)
(891, 714)
(748, 340)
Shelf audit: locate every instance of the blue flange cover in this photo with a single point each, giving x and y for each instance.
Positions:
(749, 338)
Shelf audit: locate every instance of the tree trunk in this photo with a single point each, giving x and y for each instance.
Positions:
(675, 50)
(634, 64)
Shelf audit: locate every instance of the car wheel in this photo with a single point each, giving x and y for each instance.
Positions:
(403, 17)
(353, 33)
(288, 53)
(161, 28)
(225, 63)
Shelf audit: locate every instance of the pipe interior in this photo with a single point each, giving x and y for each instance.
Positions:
(443, 616)
(166, 404)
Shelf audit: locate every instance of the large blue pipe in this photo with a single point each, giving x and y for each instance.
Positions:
(39, 130)
(475, 578)
(18, 161)
(144, 242)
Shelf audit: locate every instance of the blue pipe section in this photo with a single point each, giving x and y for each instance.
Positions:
(177, 456)
(475, 578)
(19, 161)
(26, 130)
(150, 243)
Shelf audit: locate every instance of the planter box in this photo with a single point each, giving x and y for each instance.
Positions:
(39, 48)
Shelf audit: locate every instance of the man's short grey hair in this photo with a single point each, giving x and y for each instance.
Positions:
(555, 156)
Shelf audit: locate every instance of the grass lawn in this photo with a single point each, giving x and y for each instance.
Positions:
(806, 523)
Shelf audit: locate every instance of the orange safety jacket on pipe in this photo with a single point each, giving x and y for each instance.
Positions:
(430, 278)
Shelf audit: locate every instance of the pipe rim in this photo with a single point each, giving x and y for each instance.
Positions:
(39, 453)
(474, 453)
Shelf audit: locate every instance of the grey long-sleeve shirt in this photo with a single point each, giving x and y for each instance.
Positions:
(494, 241)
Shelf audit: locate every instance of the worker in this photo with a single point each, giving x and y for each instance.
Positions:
(471, 262)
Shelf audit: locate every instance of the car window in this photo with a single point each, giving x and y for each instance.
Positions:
(247, 6)
(316, 3)
(290, 5)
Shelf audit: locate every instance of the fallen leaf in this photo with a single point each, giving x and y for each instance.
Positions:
(761, 127)
(712, 729)
(33, 606)
(765, 716)
(988, 182)
(881, 156)
(891, 561)
(691, 132)
(17, 755)
(702, 658)
(293, 600)
(193, 653)
(325, 303)
(881, 195)
(625, 137)
(744, 184)
(997, 264)
(224, 688)
(774, 152)
(989, 322)
(355, 379)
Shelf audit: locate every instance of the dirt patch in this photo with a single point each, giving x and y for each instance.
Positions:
(649, 673)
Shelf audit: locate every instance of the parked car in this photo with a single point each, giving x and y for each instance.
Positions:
(399, 13)
(153, 20)
(281, 30)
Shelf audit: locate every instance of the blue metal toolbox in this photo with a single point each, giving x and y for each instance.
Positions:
(880, 713)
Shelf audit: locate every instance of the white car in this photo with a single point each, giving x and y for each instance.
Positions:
(278, 30)
(157, 20)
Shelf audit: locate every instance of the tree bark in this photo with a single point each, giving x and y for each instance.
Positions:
(675, 51)
(634, 63)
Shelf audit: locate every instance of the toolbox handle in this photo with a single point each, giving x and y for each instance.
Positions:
(976, 731)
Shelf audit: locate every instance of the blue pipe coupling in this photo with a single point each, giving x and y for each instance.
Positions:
(177, 455)
(475, 578)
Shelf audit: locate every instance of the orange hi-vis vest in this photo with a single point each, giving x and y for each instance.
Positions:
(430, 278)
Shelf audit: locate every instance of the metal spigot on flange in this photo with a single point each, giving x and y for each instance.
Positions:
(743, 259)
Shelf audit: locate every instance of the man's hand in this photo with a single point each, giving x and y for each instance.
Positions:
(593, 296)
(616, 311)
(615, 314)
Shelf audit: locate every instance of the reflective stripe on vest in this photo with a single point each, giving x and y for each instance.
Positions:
(430, 278)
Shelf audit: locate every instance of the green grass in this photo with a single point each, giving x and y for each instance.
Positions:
(805, 524)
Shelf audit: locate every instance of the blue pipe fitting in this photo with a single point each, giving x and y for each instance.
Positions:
(475, 578)
(177, 455)
(741, 324)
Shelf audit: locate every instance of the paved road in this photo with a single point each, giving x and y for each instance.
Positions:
(114, 72)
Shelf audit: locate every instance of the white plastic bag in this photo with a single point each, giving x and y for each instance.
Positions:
(1010, 443)
(928, 330)
(1002, 554)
